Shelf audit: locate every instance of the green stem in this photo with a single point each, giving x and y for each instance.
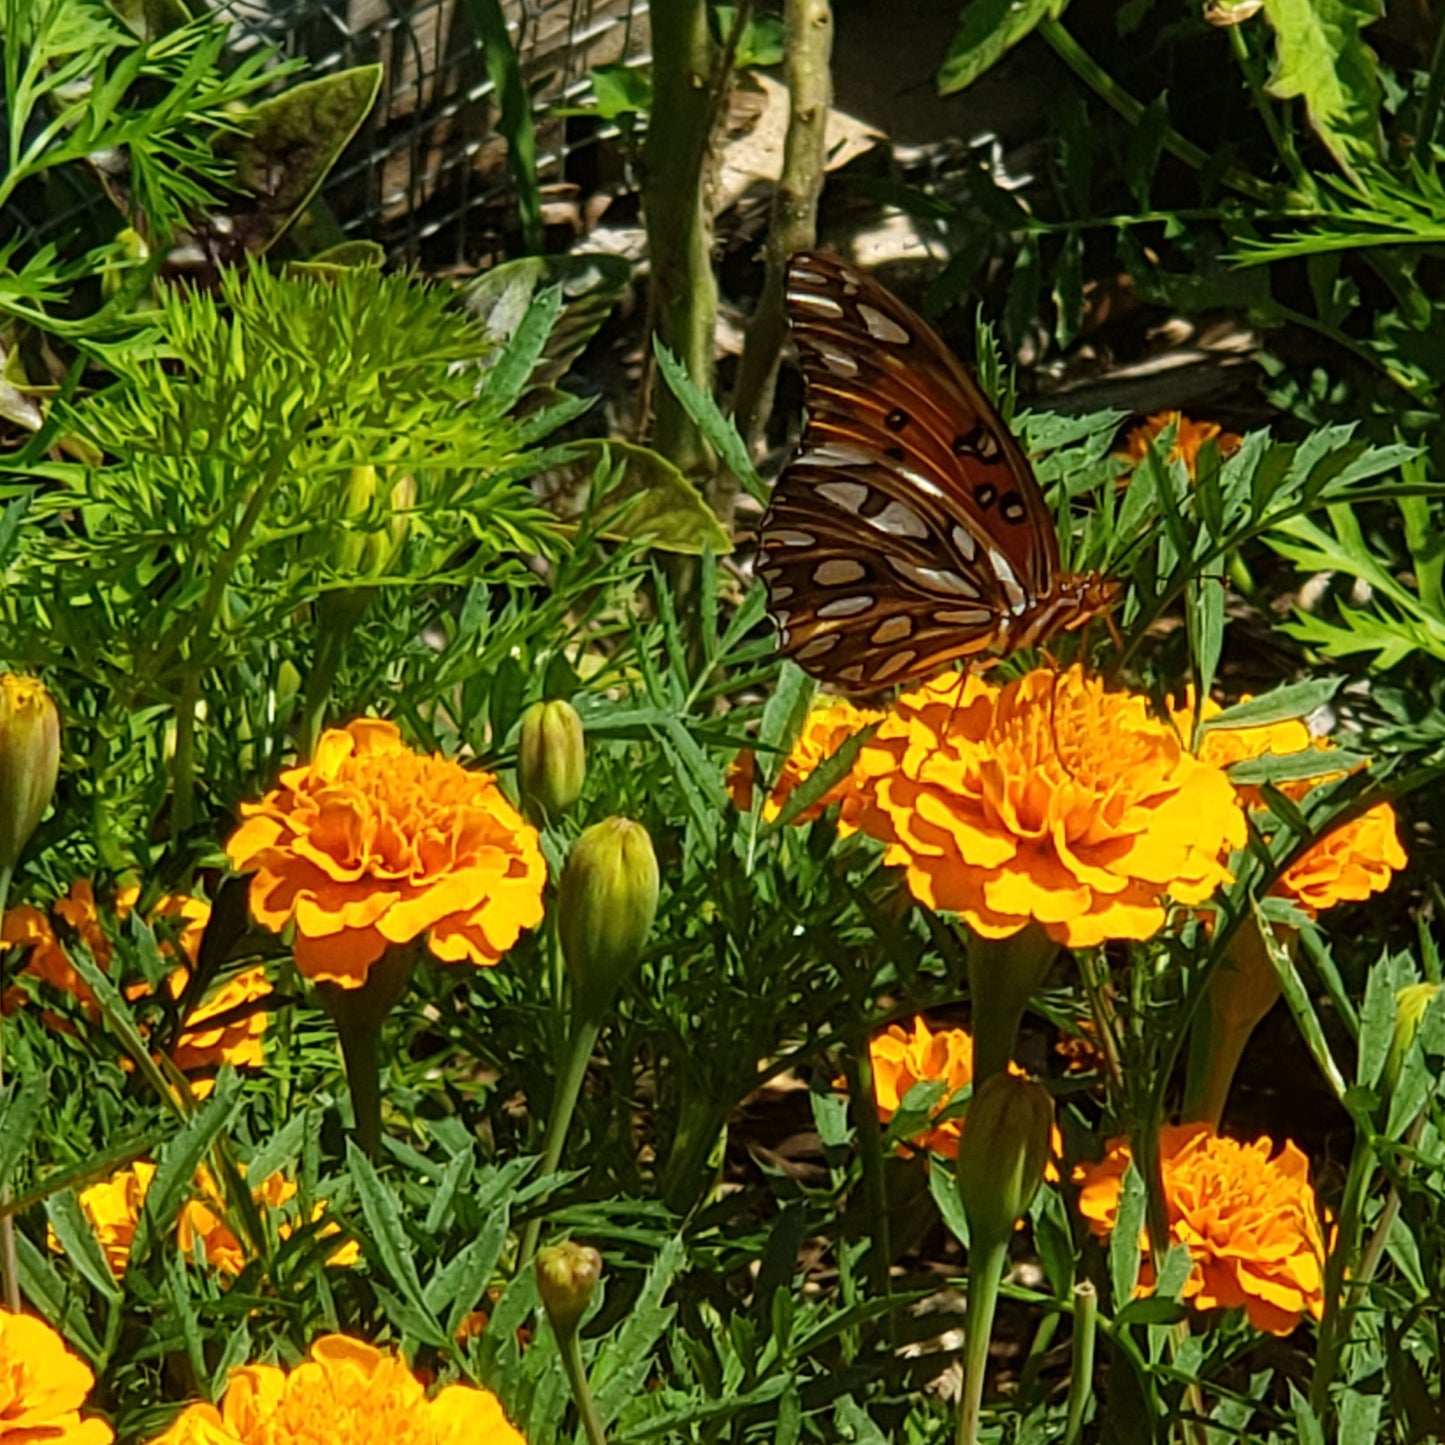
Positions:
(564, 1105)
(183, 764)
(1333, 1327)
(985, 1274)
(1002, 977)
(337, 617)
(1280, 136)
(1081, 1378)
(863, 1100)
(360, 1014)
(1044, 1334)
(1117, 98)
(570, 1348)
(1429, 116)
(9, 1259)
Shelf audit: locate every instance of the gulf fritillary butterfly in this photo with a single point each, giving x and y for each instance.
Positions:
(908, 529)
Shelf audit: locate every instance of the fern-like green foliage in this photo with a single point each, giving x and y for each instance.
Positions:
(1402, 617)
(80, 85)
(186, 576)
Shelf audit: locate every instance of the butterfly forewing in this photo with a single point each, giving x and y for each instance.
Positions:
(908, 528)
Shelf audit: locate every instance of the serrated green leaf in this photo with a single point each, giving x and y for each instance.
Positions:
(988, 30)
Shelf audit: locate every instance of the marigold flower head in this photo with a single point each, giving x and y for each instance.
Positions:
(1346, 865)
(1048, 799)
(42, 1388)
(345, 1393)
(1189, 439)
(903, 1058)
(203, 1044)
(113, 1208)
(1355, 860)
(829, 725)
(371, 844)
(1246, 1214)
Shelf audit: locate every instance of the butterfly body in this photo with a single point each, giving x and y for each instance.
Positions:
(908, 529)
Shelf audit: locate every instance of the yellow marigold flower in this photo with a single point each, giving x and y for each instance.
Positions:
(1246, 1214)
(345, 1393)
(1348, 864)
(203, 1219)
(371, 844)
(1049, 799)
(113, 1208)
(1189, 439)
(903, 1058)
(204, 1044)
(830, 724)
(42, 1387)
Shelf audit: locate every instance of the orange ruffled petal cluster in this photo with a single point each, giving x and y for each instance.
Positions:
(113, 1208)
(42, 1387)
(829, 725)
(345, 1393)
(1189, 439)
(1348, 864)
(371, 844)
(1246, 1214)
(1049, 799)
(203, 1044)
(903, 1058)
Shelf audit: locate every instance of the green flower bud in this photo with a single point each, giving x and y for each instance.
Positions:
(606, 902)
(29, 761)
(551, 760)
(1002, 1153)
(567, 1276)
(1410, 1005)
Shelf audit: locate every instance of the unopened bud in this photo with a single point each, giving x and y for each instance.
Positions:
(29, 761)
(1002, 1153)
(606, 902)
(551, 760)
(567, 1276)
(1410, 1005)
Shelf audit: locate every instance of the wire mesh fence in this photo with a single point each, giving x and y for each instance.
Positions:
(426, 175)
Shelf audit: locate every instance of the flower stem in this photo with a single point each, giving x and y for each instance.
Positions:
(570, 1348)
(9, 1259)
(337, 617)
(863, 1099)
(985, 1274)
(564, 1105)
(1002, 976)
(1081, 1378)
(360, 1014)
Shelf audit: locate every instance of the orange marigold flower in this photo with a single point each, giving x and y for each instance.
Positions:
(1346, 865)
(347, 1393)
(371, 844)
(1189, 439)
(830, 724)
(1355, 860)
(1246, 1214)
(42, 1387)
(113, 1208)
(1049, 799)
(903, 1058)
(206, 1044)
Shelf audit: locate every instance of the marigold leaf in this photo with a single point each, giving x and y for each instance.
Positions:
(1295, 699)
(988, 30)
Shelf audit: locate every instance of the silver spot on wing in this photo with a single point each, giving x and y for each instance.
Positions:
(848, 495)
(846, 606)
(934, 579)
(899, 520)
(838, 571)
(892, 629)
(880, 327)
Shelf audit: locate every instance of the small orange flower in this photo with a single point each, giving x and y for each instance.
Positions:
(1347, 865)
(113, 1208)
(204, 1044)
(1355, 860)
(371, 844)
(1246, 1214)
(42, 1387)
(346, 1393)
(1189, 439)
(830, 724)
(1048, 799)
(902, 1058)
